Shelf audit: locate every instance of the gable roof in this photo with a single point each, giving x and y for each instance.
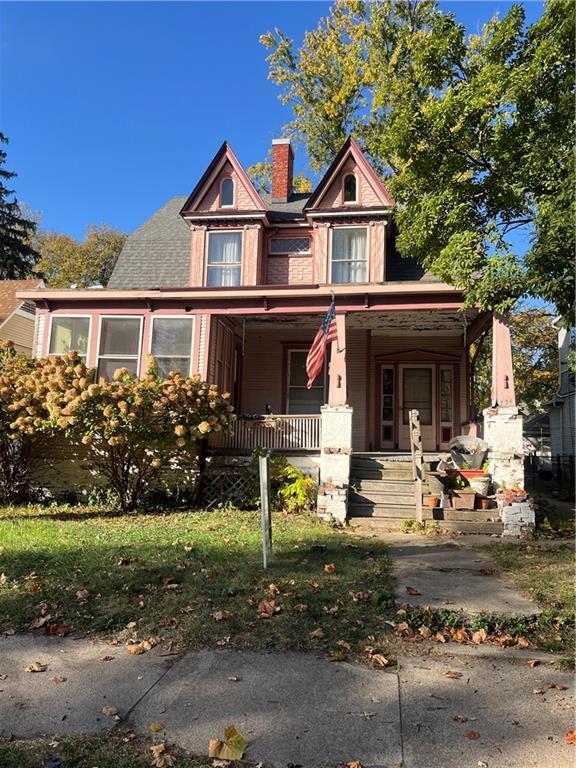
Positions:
(350, 148)
(157, 254)
(224, 154)
(288, 211)
(8, 300)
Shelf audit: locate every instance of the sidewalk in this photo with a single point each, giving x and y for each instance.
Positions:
(300, 709)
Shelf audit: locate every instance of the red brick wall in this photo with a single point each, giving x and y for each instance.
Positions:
(282, 164)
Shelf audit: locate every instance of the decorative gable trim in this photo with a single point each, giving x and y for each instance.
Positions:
(350, 149)
(418, 355)
(224, 154)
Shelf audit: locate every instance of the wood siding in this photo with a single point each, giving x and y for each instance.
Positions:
(19, 330)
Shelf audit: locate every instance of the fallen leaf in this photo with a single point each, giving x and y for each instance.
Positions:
(344, 644)
(40, 621)
(522, 642)
(268, 608)
(403, 628)
(169, 622)
(124, 560)
(58, 679)
(106, 658)
(317, 634)
(56, 629)
(234, 679)
(330, 568)
(272, 589)
(338, 656)
(172, 585)
(570, 737)
(534, 662)
(557, 686)
(36, 667)
(161, 758)
(221, 615)
(3, 578)
(425, 631)
(486, 571)
(3, 677)
(156, 726)
(301, 607)
(538, 691)
(479, 636)
(453, 675)
(440, 637)
(460, 718)
(231, 747)
(109, 711)
(380, 660)
(412, 591)
(472, 735)
(460, 635)
(354, 764)
(82, 594)
(142, 647)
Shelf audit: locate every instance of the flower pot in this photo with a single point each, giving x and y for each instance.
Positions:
(480, 483)
(463, 498)
(432, 501)
(435, 483)
(484, 503)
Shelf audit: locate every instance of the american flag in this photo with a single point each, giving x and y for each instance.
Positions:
(326, 333)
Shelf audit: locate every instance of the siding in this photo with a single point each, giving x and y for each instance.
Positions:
(211, 200)
(19, 330)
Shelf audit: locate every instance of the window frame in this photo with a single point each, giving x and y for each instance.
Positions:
(349, 261)
(233, 203)
(294, 347)
(274, 254)
(207, 266)
(356, 189)
(75, 315)
(190, 318)
(120, 357)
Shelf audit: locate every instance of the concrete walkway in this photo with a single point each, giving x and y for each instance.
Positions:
(300, 709)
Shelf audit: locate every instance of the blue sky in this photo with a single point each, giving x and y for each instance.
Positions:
(113, 108)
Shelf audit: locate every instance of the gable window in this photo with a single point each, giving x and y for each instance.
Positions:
(224, 258)
(281, 246)
(119, 345)
(350, 188)
(349, 258)
(171, 344)
(227, 193)
(301, 400)
(69, 333)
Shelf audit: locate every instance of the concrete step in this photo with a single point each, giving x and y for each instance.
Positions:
(382, 497)
(389, 485)
(377, 523)
(374, 473)
(459, 515)
(371, 510)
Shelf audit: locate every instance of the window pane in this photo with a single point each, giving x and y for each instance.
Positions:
(179, 364)
(290, 245)
(417, 393)
(224, 258)
(349, 255)
(223, 276)
(298, 375)
(446, 394)
(120, 336)
(305, 401)
(227, 192)
(106, 368)
(171, 336)
(350, 188)
(69, 333)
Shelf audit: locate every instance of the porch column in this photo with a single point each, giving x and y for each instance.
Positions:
(337, 386)
(503, 420)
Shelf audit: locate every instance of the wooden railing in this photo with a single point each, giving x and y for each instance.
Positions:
(277, 432)
(417, 468)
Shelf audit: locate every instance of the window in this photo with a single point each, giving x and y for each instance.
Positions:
(224, 258)
(172, 344)
(301, 400)
(281, 246)
(227, 193)
(446, 395)
(119, 345)
(350, 193)
(69, 333)
(417, 394)
(349, 260)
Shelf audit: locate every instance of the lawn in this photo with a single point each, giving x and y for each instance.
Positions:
(193, 579)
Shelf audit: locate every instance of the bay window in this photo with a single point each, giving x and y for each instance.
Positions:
(69, 334)
(224, 266)
(349, 255)
(119, 345)
(171, 344)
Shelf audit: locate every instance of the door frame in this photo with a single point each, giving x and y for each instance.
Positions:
(417, 357)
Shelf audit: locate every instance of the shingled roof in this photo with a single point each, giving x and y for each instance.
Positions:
(8, 300)
(157, 254)
(293, 209)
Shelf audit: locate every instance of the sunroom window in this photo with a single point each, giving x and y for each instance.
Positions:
(350, 192)
(172, 344)
(227, 193)
(224, 258)
(69, 333)
(349, 258)
(119, 345)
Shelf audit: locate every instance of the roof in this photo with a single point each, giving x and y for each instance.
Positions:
(293, 209)
(8, 300)
(157, 254)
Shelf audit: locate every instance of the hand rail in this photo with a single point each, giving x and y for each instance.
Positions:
(416, 452)
(276, 432)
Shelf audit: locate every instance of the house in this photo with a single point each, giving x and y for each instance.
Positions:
(234, 284)
(563, 411)
(17, 316)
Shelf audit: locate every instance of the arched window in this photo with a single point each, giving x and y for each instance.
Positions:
(227, 193)
(350, 188)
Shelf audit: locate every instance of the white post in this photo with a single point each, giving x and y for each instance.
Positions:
(336, 448)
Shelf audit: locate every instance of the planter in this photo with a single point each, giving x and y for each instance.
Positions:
(463, 498)
(484, 503)
(468, 451)
(480, 484)
(432, 501)
(435, 483)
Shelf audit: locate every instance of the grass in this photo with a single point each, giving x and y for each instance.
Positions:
(111, 750)
(546, 574)
(194, 579)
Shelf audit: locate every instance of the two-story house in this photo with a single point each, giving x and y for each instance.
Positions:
(234, 284)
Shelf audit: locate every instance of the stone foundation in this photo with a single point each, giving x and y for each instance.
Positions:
(335, 452)
(503, 433)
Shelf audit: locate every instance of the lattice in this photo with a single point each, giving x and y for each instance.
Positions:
(225, 485)
(290, 245)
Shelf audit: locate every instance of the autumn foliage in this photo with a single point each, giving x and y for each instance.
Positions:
(132, 428)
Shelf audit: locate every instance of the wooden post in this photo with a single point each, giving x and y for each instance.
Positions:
(265, 509)
(416, 451)
(337, 389)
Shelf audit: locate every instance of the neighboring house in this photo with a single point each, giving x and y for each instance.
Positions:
(17, 316)
(563, 411)
(234, 284)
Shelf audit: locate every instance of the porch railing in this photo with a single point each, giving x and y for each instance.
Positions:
(277, 432)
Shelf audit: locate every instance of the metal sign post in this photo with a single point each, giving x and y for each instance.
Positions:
(265, 508)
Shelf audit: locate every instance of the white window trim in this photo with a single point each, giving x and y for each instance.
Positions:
(137, 357)
(83, 316)
(356, 198)
(207, 249)
(288, 367)
(190, 318)
(350, 261)
(233, 203)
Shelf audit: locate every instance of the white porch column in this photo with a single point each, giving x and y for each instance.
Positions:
(335, 447)
(503, 420)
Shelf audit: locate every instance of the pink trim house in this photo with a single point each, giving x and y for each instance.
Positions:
(234, 284)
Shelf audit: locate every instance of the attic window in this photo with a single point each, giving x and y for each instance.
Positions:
(227, 193)
(350, 191)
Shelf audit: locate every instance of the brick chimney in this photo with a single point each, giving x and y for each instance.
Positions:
(282, 164)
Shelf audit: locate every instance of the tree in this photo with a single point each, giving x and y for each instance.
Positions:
(261, 176)
(17, 255)
(472, 135)
(534, 358)
(65, 262)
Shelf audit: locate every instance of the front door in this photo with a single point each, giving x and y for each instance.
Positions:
(417, 390)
